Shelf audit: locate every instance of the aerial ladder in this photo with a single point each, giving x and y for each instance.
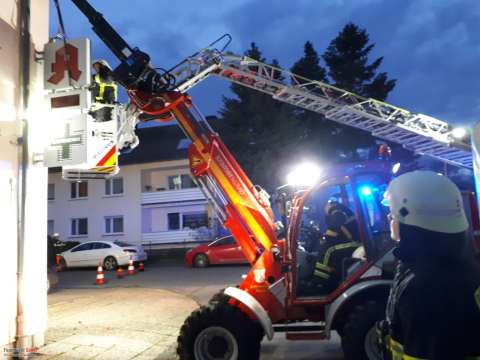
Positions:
(421, 134)
(261, 300)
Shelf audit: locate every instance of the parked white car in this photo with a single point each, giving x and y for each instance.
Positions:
(109, 253)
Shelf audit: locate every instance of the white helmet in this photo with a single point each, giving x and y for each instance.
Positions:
(103, 63)
(427, 200)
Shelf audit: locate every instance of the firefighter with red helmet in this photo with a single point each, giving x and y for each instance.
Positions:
(433, 311)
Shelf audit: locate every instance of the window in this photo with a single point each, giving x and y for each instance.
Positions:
(51, 191)
(229, 240)
(99, 245)
(79, 227)
(195, 220)
(114, 186)
(78, 189)
(113, 224)
(50, 227)
(83, 247)
(173, 221)
(177, 182)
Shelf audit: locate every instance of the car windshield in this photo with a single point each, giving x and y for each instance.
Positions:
(121, 243)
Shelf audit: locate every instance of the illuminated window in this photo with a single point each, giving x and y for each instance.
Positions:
(113, 224)
(78, 189)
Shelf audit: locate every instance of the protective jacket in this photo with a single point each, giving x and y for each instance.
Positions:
(341, 220)
(104, 89)
(433, 310)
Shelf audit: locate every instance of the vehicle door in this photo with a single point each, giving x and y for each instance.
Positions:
(80, 255)
(99, 252)
(226, 250)
(314, 243)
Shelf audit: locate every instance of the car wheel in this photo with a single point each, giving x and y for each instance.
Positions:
(110, 263)
(200, 260)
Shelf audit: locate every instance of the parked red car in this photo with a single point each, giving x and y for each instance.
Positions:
(224, 250)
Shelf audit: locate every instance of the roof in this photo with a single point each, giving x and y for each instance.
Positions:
(159, 143)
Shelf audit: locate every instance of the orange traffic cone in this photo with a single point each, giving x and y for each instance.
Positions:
(141, 267)
(131, 267)
(120, 272)
(100, 276)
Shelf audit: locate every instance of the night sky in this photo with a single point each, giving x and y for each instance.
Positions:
(431, 46)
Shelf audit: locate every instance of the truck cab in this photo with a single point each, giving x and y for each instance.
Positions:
(314, 242)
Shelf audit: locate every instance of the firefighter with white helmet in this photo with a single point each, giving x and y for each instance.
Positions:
(104, 89)
(433, 311)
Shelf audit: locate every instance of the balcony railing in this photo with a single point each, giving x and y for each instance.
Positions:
(177, 237)
(169, 196)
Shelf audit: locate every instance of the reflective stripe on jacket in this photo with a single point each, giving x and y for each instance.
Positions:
(324, 266)
(107, 91)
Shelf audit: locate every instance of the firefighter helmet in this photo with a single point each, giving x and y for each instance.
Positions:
(103, 63)
(427, 200)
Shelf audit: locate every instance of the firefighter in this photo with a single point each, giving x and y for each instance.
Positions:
(339, 242)
(433, 310)
(104, 90)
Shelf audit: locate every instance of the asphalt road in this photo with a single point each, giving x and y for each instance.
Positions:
(200, 284)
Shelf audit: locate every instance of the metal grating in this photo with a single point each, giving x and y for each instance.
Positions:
(419, 133)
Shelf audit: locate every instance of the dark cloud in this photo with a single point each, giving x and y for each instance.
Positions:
(431, 46)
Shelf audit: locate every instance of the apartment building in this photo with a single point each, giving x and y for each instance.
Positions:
(152, 201)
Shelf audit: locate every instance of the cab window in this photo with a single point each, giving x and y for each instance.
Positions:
(370, 190)
(328, 235)
(313, 222)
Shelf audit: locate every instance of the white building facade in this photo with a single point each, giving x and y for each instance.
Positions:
(23, 179)
(155, 204)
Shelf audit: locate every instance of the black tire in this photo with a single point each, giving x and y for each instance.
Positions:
(361, 322)
(110, 263)
(200, 260)
(219, 298)
(219, 332)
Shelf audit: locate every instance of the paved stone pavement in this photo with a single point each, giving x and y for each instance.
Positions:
(139, 317)
(114, 323)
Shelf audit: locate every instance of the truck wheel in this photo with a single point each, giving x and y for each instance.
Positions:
(221, 332)
(359, 333)
(219, 298)
(200, 261)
